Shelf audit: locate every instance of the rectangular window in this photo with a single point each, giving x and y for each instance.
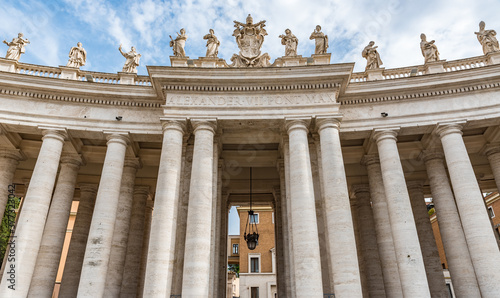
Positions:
(491, 213)
(254, 265)
(254, 292)
(254, 218)
(235, 249)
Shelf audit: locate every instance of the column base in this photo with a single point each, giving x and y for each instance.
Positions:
(493, 58)
(69, 73)
(127, 78)
(290, 61)
(374, 74)
(179, 61)
(434, 67)
(320, 59)
(8, 65)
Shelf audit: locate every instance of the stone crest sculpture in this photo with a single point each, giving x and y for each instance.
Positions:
(321, 41)
(16, 47)
(290, 42)
(132, 60)
(212, 44)
(178, 43)
(77, 56)
(249, 37)
(487, 39)
(429, 49)
(372, 56)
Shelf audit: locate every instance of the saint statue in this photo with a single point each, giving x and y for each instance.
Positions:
(290, 42)
(372, 57)
(487, 39)
(212, 44)
(16, 47)
(77, 56)
(249, 37)
(178, 43)
(429, 49)
(321, 41)
(132, 60)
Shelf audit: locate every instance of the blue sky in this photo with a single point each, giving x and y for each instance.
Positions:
(53, 27)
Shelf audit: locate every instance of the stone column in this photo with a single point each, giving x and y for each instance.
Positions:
(342, 242)
(47, 263)
(392, 283)
(28, 234)
(407, 247)
(288, 203)
(368, 239)
(76, 250)
(163, 223)
(9, 158)
(131, 271)
(307, 267)
(121, 229)
(430, 253)
(457, 254)
(96, 260)
(286, 287)
(196, 272)
(480, 238)
(148, 214)
(493, 153)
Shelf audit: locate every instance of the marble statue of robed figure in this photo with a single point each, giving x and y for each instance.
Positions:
(290, 42)
(372, 56)
(178, 43)
(429, 49)
(487, 39)
(16, 47)
(321, 41)
(212, 44)
(132, 60)
(77, 56)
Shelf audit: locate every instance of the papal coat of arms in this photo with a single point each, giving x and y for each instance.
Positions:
(249, 37)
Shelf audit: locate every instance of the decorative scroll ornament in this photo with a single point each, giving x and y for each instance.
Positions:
(249, 38)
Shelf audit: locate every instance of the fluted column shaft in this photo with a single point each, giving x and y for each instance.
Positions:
(307, 267)
(29, 231)
(385, 242)
(368, 239)
(47, 264)
(161, 239)
(131, 271)
(96, 260)
(480, 238)
(121, 229)
(197, 255)
(76, 250)
(340, 230)
(9, 159)
(430, 253)
(457, 254)
(407, 247)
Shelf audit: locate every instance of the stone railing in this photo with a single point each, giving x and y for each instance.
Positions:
(38, 70)
(473, 62)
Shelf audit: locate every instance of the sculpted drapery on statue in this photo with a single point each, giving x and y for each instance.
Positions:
(372, 56)
(16, 47)
(77, 56)
(429, 49)
(321, 41)
(290, 42)
(487, 39)
(212, 44)
(249, 38)
(178, 43)
(132, 60)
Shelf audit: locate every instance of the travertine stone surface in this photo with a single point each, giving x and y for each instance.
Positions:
(288, 200)
(493, 153)
(457, 253)
(342, 242)
(369, 249)
(162, 224)
(404, 233)
(432, 262)
(32, 219)
(47, 263)
(481, 241)
(148, 214)
(78, 243)
(9, 159)
(196, 272)
(392, 282)
(96, 260)
(307, 267)
(121, 229)
(130, 281)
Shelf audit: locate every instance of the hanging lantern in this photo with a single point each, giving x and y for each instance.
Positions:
(251, 235)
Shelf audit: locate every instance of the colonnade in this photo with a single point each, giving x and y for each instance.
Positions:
(118, 250)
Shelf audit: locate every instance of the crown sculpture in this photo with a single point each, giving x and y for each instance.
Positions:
(250, 38)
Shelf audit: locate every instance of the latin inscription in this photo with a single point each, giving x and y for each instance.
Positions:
(250, 101)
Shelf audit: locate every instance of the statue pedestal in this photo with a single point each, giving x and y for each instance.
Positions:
(8, 65)
(69, 73)
(127, 78)
(374, 74)
(434, 67)
(209, 62)
(179, 61)
(286, 61)
(321, 59)
(493, 58)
